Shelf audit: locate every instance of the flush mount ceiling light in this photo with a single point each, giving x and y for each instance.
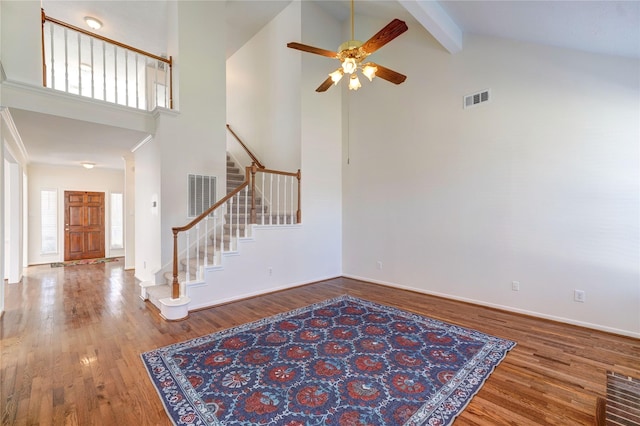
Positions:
(88, 165)
(353, 53)
(93, 23)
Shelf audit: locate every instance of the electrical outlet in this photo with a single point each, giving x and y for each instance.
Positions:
(270, 270)
(579, 296)
(379, 264)
(515, 285)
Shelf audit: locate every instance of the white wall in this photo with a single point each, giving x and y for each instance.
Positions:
(311, 251)
(147, 216)
(540, 185)
(188, 140)
(23, 18)
(2, 214)
(12, 163)
(262, 93)
(13, 219)
(62, 178)
(129, 212)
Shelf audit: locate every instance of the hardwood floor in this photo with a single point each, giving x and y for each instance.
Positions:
(71, 339)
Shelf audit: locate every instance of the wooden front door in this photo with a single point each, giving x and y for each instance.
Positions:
(84, 225)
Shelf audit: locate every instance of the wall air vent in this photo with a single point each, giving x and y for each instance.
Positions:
(202, 194)
(476, 98)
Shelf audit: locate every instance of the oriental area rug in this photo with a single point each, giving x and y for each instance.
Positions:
(344, 361)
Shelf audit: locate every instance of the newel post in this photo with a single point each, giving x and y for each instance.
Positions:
(171, 82)
(175, 285)
(254, 169)
(299, 212)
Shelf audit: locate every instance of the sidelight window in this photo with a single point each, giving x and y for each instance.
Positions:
(117, 228)
(49, 221)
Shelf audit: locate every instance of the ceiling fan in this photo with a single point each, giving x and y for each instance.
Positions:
(353, 53)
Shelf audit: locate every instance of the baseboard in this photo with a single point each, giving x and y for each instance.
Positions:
(501, 307)
(246, 296)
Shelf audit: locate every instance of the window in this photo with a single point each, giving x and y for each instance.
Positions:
(49, 221)
(117, 233)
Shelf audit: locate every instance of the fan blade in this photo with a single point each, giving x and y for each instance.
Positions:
(390, 75)
(385, 35)
(311, 49)
(325, 85)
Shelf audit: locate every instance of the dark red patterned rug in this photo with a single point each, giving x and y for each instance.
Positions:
(344, 361)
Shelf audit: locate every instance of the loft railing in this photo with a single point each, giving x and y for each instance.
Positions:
(266, 197)
(87, 64)
(246, 148)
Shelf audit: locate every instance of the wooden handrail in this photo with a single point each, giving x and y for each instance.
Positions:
(279, 172)
(168, 61)
(246, 149)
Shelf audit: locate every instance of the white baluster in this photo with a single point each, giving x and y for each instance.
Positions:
(186, 268)
(126, 77)
(246, 207)
(262, 204)
(278, 200)
(115, 68)
(271, 199)
(166, 85)
(104, 71)
(206, 245)
(238, 218)
(292, 205)
(223, 221)
(79, 65)
(198, 250)
(93, 92)
(155, 85)
(53, 74)
(137, 83)
(66, 63)
(215, 242)
(230, 212)
(284, 201)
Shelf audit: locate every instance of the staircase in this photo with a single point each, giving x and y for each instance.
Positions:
(200, 247)
(236, 226)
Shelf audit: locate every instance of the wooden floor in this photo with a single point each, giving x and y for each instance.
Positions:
(71, 339)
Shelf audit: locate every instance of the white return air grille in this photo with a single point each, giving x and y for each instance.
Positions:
(202, 194)
(476, 98)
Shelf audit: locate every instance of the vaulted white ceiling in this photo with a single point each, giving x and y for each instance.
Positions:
(606, 27)
(602, 26)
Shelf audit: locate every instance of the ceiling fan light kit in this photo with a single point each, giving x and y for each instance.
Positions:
(352, 53)
(354, 82)
(336, 76)
(369, 70)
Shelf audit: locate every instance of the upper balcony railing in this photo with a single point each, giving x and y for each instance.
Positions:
(87, 64)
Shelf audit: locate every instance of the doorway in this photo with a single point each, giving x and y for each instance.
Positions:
(84, 225)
